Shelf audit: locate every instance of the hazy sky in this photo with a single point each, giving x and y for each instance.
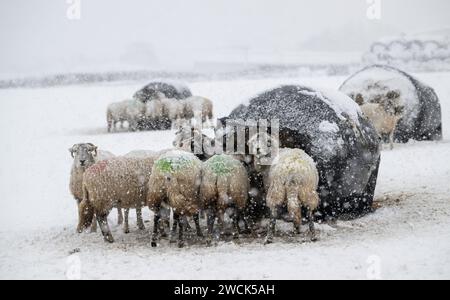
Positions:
(36, 35)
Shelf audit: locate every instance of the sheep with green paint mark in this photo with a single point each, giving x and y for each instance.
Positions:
(224, 186)
(175, 181)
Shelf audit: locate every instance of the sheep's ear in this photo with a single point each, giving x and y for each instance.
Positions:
(72, 150)
(93, 148)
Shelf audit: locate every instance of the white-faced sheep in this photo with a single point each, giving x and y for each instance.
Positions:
(291, 180)
(85, 155)
(135, 113)
(117, 113)
(199, 108)
(120, 181)
(173, 110)
(384, 112)
(192, 140)
(154, 111)
(175, 181)
(162, 110)
(224, 186)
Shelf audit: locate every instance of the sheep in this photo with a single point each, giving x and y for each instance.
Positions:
(199, 108)
(152, 154)
(120, 181)
(173, 110)
(135, 113)
(191, 139)
(154, 111)
(385, 111)
(117, 113)
(175, 181)
(291, 180)
(224, 186)
(85, 155)
(162, 110)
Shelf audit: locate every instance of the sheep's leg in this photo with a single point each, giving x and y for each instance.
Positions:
(94, 227)
(140, 221)
(297, 220)
(210, 219)
(220, 221)
(182, 222)
(391, 140)
(126, 226)
(196, 218)
(247, 228)
(119, 216)
(162, 227)
(165, 222)
(156, 219)
(103, 223)
(236, 229)
(176, 220)
(271, 229)
(312, 231)
(187, 226)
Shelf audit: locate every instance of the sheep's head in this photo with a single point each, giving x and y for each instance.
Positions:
(264, 148)
(191, 139)
(83, 154)
(182, 135)
(391, 103)
(359, 99)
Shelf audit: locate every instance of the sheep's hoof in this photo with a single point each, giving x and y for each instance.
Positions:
(154, 244)
(126, 231)
(314, 239)
(109, 239)
(180, 244)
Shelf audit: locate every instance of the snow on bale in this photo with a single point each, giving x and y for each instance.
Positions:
(153, 91)
(170, 90)
(421, 118)
(329, 127)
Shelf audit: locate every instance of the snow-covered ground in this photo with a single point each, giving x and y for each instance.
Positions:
(407, 237)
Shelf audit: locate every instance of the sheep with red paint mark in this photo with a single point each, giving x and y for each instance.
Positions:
(118, 182)
(85, 155)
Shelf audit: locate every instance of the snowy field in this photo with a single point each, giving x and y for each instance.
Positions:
(407, 237)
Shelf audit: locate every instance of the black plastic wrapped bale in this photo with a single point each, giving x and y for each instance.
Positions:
(329, 126)
(421, 118)
(170, 90)
(151, 91)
